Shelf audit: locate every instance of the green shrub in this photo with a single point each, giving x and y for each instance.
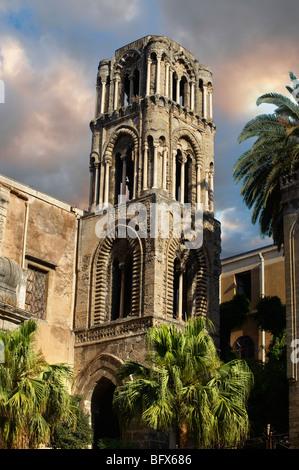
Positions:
(79, 436)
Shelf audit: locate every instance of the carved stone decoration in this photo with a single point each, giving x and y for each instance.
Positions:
(10, 279)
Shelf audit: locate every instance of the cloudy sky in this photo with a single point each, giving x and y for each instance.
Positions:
(49, 53)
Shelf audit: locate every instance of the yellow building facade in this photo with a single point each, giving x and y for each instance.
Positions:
(256, 274)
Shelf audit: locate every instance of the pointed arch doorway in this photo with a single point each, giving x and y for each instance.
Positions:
(104, 421)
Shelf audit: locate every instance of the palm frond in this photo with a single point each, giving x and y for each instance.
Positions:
(284, 104)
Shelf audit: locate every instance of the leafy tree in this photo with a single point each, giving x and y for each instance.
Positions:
(274, 154)
(69, 436)
(33, 394)
(233, 314)
(271, 315)
(268, 402)
(184, 387)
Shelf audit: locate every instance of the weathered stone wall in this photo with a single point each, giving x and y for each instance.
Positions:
(42, 231)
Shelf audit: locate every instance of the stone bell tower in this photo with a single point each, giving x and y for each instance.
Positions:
(151, 158)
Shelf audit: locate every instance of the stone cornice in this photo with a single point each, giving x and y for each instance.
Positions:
(13, 314)
(123, 328)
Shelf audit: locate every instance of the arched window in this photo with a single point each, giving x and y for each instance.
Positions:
(183, 177)
(117, 279)
(126, 90)
(183, 99)
(244, 347)
(118, 177)
(193, 263)
(150, 158)
(121, 280)
(200, 97)
(178, 177)
(184, 291)
(124, 176)
(136, 80)
(153, 73)
(188, 180)
(174, 87)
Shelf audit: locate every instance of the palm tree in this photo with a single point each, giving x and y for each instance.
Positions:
(33, 394)
(184, 387)
(274, 154)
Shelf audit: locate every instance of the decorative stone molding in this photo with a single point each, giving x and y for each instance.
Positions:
(123, 130)
(114, 330)
(123, 328)
(98, 309)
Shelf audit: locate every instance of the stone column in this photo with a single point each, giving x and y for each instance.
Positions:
(96, 184)
(192, 96)
(115, 98)
(91, 184)
(178, 90)
(124, 175)
(170, 84)
(198, 183)
(207, 190)
(204, 99)
(173, 173)
(131, 78)
(210, 105)
(183, 162)
(155, 169)
(167, 80)
(134, 156)
(122, 290)
(101, 182)
(165, 169)
(148, 77)
(106, 193)
(145, 150)
(4, 200)
(102, 109)
(94, 156)
(180, 299)
(158, 74)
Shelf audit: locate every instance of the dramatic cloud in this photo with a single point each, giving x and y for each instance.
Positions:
(240, 80)
(102, 14)
(217, 29)
(44, 122)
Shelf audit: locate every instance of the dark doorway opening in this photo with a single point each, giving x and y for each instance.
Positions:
(104, 420)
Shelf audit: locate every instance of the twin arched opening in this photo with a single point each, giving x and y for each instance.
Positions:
(117, 278)
(186, 282)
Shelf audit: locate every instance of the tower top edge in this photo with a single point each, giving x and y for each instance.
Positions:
(152, 39)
